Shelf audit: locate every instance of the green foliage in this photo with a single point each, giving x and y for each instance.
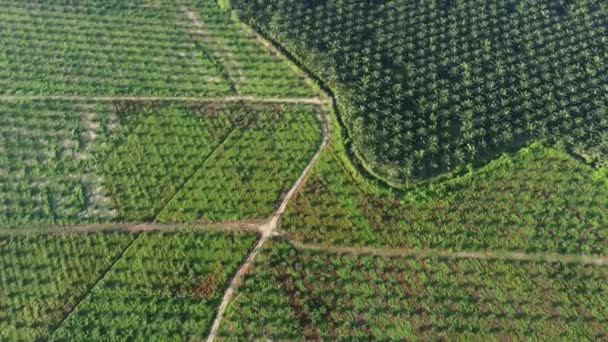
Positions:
(89, 49)
(539, 199)
(164, 148)
(43, 277)
(430, 86)
(166, 286)
(246, 176)
(262, 309)
(345, 297)
(145, 48)
(255, 69)
(48, 152)
(66, 162)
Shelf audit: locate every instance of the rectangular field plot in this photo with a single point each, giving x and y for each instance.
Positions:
(537, 200)
(294, 295)
(97, 48)
(48, 150)
(139, 48)
(165, 146)
(247, 175)
(67, 162)
(167, 286)
(254, 68)
(43, 277)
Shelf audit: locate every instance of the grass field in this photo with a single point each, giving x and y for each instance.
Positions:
(299, 295)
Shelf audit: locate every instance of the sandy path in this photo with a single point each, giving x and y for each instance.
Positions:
(268, 230)
(227, 226)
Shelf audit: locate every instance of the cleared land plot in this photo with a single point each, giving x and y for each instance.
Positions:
(537, 200)
(68, 162)
(43, 277)
(166, 286)
(299, 295)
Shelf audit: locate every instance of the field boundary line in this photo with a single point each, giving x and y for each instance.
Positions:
(268, 230)
(88, 290)
(597, 260)
(225, 226)
(315, 100)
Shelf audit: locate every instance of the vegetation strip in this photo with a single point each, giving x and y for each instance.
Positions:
(222, 99)
(597, 260)
(307, 295)
(172, 281)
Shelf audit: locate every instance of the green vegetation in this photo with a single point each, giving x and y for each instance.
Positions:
(58, 48)
(165, 147)
(153, 284)
(539, 199)
(245, 177)
(43, 277)
(81, 160)
(426, 87)
(254, 69)
(485, 122)
(144, 48)
(48, 150)
(166, 286)
(303, 295)
(71, 162)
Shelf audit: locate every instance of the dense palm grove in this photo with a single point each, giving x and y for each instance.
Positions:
(430, 86)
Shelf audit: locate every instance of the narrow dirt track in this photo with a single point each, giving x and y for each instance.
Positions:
(221, 99)
(228, 226)
(268, 230)
(597, 260)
